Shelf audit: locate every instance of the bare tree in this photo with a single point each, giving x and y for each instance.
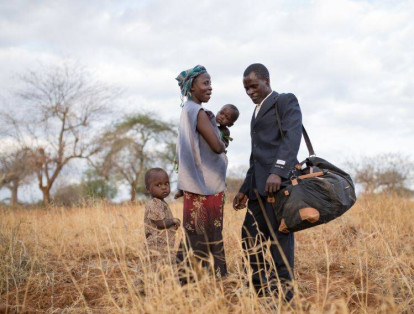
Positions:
(60, 105)
(383, 173)
(15, 169)
(131, 146)
(234, 179)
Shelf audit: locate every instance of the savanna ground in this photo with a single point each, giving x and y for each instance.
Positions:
(92, 259)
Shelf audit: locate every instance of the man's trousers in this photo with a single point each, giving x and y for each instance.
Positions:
(256, 232)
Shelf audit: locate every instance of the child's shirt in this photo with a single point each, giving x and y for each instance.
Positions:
(157, 209)
(225, 135)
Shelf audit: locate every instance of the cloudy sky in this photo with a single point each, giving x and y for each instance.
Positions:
(350, 63)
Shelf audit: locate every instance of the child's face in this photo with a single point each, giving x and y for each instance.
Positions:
(160, 185)
(225, 117)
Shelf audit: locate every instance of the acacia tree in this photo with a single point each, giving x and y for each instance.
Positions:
(92, 186)
(166, 158)
(131, 146)
(60, 105)
(15, 169)
(95, 186)
(383, 173)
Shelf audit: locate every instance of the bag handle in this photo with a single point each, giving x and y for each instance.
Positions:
(304, 133)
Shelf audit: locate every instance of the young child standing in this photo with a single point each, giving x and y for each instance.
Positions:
(160, 225)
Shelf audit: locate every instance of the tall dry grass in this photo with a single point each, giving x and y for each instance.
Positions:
(92, 259)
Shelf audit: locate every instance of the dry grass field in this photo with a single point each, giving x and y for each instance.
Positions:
(92, 259)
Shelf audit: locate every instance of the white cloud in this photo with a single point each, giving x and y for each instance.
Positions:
(350, 63)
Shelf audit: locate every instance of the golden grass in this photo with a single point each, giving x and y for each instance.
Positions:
(92, 259)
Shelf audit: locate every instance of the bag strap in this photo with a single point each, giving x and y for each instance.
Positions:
(304, 133)
(308, 142)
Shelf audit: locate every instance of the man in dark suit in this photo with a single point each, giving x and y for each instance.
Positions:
(272, 157)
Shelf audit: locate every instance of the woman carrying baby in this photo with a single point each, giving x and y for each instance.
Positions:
(201, 174)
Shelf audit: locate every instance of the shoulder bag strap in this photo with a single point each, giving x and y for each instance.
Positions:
(304, 133)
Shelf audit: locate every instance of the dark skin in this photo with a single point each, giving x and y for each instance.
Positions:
(226, 116)
(226, 132)
(225, 119)
(257, 89)
(167, 223)
(159, 187)
(201, 92)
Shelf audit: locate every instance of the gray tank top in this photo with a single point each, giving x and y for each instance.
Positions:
(200, 169)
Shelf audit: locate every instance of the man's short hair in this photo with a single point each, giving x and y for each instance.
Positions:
(259, 69)
(149, 175)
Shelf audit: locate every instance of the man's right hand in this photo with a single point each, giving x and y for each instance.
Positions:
(239, 201)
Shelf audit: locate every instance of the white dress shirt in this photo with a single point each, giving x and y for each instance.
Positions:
(258, 106)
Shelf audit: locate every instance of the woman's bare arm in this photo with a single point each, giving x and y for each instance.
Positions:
(206, 130)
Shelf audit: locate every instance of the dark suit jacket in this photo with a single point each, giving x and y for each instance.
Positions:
(270, 153)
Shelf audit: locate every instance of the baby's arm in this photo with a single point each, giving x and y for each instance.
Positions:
(225, 135)
(224, 130)
(167, 223)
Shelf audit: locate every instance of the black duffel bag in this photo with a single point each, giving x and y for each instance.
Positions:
(316, 193)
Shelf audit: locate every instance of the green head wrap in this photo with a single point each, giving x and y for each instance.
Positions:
(185, 79)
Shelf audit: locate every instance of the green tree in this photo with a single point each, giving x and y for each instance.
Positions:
(166, 157)
(15, 170)
(92, 186)
(132, 146)
(95, 186)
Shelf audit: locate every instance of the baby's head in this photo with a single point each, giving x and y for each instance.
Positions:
(157, 183)
(227, 115)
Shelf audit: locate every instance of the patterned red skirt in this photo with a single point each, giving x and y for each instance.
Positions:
(203, 225)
